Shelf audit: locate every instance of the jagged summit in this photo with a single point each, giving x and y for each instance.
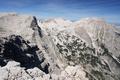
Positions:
(60, 22)
(17, 24)
(91, 21)
(56, 22)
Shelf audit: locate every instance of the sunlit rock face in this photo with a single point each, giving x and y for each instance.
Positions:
(58, 49)
(90, 42)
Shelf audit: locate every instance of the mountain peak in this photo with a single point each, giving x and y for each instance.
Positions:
(58, 49)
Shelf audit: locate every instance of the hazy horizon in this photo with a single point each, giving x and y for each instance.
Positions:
(72, 9)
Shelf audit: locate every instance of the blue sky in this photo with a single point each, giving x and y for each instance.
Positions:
(68, 9)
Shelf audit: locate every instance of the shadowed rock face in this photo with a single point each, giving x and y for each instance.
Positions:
(17, 49)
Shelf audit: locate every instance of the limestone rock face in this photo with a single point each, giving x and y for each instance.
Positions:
(58, 49)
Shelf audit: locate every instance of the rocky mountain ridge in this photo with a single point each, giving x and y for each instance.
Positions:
(58, 49)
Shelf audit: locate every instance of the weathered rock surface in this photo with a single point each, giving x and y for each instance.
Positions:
(90, 42)
(58, 49)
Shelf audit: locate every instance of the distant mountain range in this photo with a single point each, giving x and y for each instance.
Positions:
(58, 49)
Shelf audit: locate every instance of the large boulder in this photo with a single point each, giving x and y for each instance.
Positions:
(13, 71)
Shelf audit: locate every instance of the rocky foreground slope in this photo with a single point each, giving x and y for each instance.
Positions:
(58, 49)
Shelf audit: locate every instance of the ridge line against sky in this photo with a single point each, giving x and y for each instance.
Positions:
(68, 9)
